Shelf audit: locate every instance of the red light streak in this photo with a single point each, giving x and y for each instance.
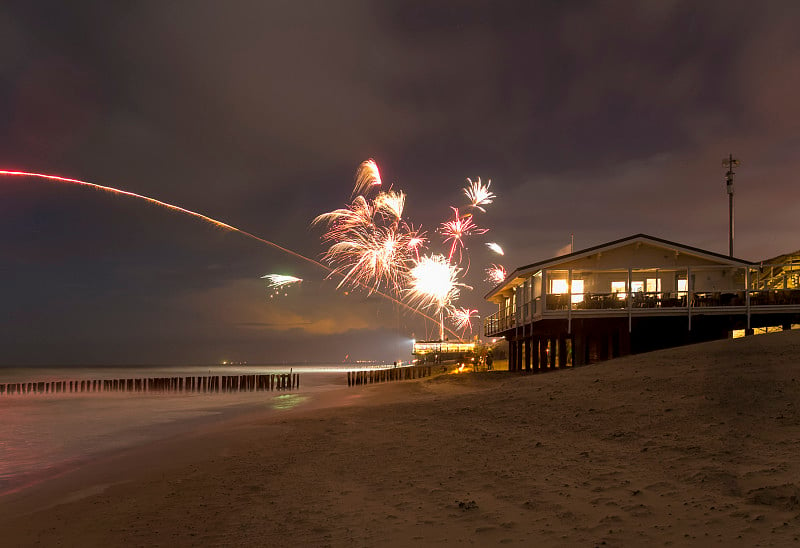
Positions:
(213, 222)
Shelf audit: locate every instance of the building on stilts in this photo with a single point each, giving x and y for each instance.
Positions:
(634, 295)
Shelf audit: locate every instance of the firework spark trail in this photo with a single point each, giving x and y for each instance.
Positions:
(367, 175)
(375, 257)
(433, 282)
(495, 247)
(479, 194)
(391, 203)
(370, 243)
(172, 207)
(495, 274)
(457, 229)
(462, 318)
(205, 218)
(415, 243)
(280, 280)
(356, 218)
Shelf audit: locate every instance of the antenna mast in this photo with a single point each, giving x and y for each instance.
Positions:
(730, 162)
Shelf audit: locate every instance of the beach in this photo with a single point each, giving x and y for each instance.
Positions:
(690, 446)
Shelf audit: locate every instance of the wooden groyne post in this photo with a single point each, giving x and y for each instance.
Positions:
(204, 384)
(371, 376)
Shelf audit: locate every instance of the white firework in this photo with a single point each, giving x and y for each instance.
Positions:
(479, 194)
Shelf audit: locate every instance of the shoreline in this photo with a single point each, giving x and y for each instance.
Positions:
(46, 435)
(71, 474)
(690, 446)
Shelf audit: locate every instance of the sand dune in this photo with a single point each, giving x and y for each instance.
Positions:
(690, 447)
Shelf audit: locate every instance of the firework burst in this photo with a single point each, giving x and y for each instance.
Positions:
(462, 318)
(495, 247)
(371, 245)
(344, 222)
(278, 283)
(495, 274)
(479, 194)
(372, 259)
(433, 282)
(357, 216)
(415, 243)
(456, 229)
(367, 176)
(391, 203)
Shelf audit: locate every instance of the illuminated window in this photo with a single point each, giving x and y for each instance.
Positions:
(619, 288)
(652, 285)
(637, 287)
(559, 286)
(683, 285)
(577, 291)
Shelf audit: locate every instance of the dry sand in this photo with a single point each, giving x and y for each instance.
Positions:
(689, 447)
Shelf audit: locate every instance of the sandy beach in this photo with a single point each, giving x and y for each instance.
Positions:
(692, 446)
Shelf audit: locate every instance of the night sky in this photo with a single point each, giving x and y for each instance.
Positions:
(600, 119)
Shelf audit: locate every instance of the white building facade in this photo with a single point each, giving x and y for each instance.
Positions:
(632, 295)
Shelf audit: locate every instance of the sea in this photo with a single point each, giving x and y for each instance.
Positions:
(43, 433)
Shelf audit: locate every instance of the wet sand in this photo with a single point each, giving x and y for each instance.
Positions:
(693, 446)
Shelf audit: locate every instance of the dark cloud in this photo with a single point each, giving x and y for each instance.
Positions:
(598, 119)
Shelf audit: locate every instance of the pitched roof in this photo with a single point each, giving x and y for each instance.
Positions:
(610, 245)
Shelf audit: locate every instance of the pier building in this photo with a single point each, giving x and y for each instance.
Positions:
(637, 294)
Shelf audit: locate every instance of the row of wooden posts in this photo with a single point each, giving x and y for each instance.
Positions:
(204, 385)
(371, 376)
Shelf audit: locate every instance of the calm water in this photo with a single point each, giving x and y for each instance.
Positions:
(40, 433)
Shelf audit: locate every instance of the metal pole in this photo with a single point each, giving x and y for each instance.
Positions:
(730, 222)
(730, 162)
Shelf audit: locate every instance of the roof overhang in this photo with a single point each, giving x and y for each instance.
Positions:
(521, 273)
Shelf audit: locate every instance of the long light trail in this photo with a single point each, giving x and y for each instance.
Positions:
(210, 220)
(173, 207)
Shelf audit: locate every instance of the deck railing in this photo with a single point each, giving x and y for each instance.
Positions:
(642, 303)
